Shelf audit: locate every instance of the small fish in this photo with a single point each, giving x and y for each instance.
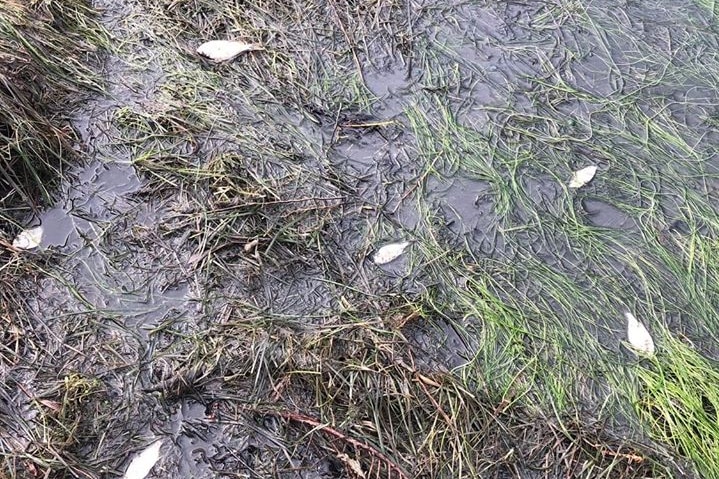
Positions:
(226, 50)
(582, 177)
(143, 463)
(389, 252)
(639, 337)
(28, 239)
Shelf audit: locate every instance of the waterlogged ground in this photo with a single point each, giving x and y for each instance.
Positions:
(206, 274)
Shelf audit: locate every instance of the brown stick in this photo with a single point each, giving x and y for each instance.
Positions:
(607, 452)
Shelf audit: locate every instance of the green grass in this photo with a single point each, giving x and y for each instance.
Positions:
(547, 307)
(676, 399)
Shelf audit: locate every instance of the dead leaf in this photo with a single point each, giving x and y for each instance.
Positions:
(251, 245)
(354, 466)
(28, 239)
(638, 335)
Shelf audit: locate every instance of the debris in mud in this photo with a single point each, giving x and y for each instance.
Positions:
(251, 246)
(226, 50)
(638, 336)
(143, 463)
(582, 177)
(352, 465)
(28, 239)
(389, 252)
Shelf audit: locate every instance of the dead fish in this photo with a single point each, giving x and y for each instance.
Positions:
(582, 177)
(226, 50)
(639, 338)
(143, 463)
(28, 239)
(389, 252)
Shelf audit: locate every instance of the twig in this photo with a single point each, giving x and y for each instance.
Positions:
(631, 458)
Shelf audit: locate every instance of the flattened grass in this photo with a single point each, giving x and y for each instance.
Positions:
(542, 311)
(312, 356)
(547, 300)
(677, 400)
(353, 389)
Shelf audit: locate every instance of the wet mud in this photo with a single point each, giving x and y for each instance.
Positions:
(132, 250)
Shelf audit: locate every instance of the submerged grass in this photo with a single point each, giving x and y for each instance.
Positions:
(547, 299)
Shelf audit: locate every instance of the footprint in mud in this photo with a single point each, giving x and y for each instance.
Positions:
(604, 215)
(196, 438)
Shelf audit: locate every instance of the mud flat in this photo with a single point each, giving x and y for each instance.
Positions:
(208, 273)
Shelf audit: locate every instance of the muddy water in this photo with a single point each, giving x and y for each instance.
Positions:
(128, 276)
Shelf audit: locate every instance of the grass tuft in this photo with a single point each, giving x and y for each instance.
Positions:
(46, 55)
(677, 399)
